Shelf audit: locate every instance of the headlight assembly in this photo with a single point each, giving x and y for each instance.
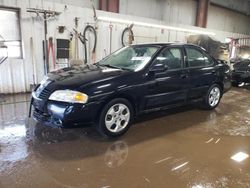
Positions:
(69, 96)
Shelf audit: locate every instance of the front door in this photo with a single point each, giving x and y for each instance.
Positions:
(170, 86)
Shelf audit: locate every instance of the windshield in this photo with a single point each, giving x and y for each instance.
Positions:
(133, 57)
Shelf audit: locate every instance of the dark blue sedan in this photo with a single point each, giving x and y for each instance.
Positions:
(131, 81)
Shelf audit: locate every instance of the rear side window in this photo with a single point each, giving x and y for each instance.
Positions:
(171, 57)
(208, 60)
(198, 59)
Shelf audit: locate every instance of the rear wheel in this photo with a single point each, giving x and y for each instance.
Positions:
(115, 118)
(213, 97)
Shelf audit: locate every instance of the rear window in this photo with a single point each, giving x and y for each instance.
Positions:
(197, 58)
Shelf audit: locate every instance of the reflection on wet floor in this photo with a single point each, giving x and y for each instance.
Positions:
(185, 147)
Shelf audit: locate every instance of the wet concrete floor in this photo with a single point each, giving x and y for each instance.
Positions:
(185, 147)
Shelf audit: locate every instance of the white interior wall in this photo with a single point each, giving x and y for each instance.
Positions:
(16, 75)
(143, 8)
(184, 12)
(227, 20)
(41, 3)
(179, 11)
(169, 11)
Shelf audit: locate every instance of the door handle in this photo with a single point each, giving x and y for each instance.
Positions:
(213, 71)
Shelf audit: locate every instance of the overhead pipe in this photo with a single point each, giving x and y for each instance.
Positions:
(202, 13)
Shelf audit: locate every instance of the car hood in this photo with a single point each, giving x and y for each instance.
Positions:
(74, 77)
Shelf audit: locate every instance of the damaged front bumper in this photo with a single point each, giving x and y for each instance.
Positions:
(63, 114)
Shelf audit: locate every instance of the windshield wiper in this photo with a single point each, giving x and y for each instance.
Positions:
(112, 66)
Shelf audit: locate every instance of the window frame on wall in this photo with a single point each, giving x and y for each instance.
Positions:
(6, 40)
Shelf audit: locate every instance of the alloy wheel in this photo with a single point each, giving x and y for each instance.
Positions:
(117, 118)
(214, 96)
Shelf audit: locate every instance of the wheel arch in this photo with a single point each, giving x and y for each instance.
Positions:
(221, 86)
(128, 97)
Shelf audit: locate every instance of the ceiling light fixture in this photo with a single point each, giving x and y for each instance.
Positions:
(123, 21)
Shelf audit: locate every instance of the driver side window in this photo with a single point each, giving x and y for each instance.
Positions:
(171, 57)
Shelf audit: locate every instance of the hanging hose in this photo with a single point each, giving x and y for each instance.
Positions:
(92, 29)
(130, 34)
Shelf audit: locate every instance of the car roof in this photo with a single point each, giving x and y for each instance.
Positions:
(167, 44)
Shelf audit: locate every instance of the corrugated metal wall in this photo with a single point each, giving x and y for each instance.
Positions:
(16, 75)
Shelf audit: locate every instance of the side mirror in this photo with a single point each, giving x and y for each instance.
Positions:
(158, 67)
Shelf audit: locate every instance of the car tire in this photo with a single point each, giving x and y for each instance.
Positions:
(213, 97)
(116, 118)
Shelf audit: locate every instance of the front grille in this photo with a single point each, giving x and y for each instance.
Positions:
(45, 93)
(42, 91)
(40, 116)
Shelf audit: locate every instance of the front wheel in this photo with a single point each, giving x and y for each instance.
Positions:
(213, 97)
(115, 118)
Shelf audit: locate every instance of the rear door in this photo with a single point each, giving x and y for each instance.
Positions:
(168, 87)
(202, 71)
